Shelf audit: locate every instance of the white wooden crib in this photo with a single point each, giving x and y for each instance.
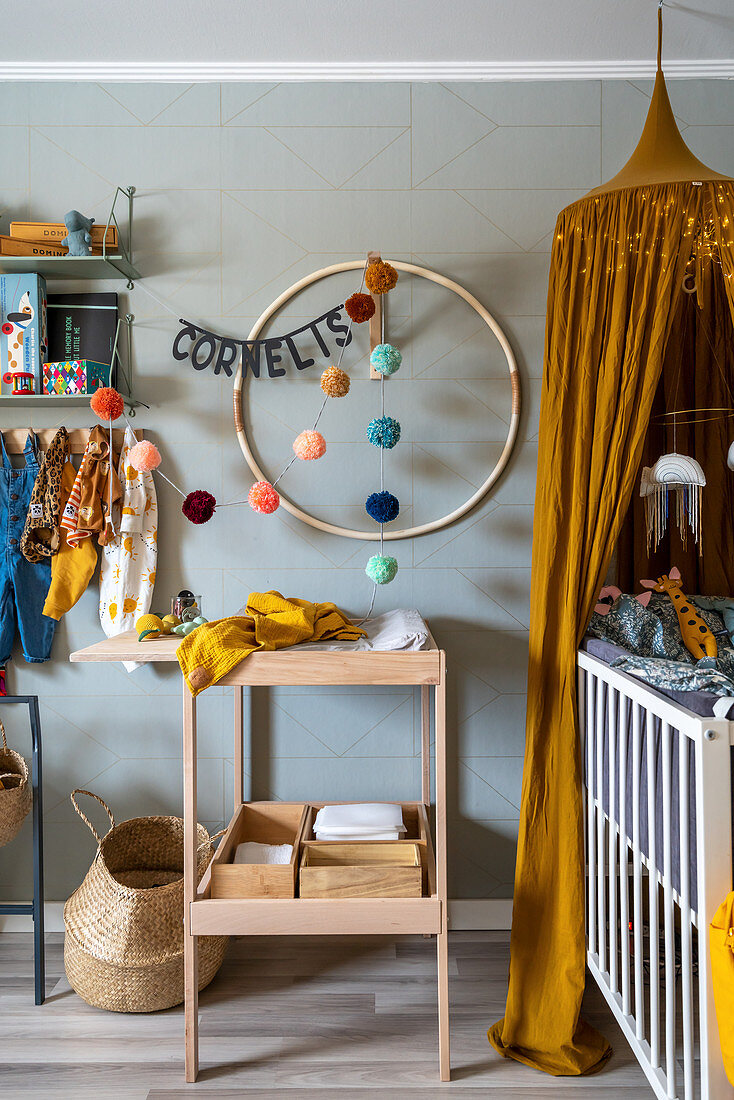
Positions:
(648, 906)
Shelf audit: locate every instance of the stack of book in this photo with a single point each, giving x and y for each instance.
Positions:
(81, 336)
(53, 344)
(44, 239)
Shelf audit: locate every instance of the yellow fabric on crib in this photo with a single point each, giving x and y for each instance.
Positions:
(272, 622)
(721, 932)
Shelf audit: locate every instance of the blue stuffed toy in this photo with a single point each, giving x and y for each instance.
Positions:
(723, 604)
(78, 239)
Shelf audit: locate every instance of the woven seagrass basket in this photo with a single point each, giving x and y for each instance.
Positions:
(123, 947)
(16, 794)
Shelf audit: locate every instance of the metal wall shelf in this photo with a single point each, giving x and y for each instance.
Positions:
(108, 265)
(115, 266)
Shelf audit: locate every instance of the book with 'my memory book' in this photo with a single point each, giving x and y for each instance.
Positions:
(81, 326)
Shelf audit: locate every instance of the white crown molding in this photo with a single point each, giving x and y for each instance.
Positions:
(208, 71)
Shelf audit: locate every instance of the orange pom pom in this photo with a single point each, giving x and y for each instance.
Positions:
(335, 382)
(380, 277)
(107, 403)
(309, 445)
(360, 307)
(263, 497)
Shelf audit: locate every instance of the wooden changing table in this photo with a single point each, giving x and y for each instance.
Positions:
(204, 915)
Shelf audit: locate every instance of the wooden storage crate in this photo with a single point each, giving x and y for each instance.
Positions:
(266, 823)
(361, 869)
(417, 830)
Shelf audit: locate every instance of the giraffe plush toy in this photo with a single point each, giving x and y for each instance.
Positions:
(697, 638)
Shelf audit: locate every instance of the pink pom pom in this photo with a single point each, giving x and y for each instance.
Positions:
(309, 445)
(144, 456)
(263, 498)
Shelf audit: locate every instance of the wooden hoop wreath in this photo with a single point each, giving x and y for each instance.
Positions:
(423, 528)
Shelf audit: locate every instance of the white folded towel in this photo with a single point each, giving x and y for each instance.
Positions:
(252, 852)
(359, 821)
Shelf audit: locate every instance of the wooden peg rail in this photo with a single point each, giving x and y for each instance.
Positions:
(15, 439)
(376, 318)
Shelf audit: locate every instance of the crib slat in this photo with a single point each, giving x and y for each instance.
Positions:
(591, 689)
(637, 872)
(600, 856)
(612, 698)
(652, 894)
(668, 914)
(624, 917)
(686, 915)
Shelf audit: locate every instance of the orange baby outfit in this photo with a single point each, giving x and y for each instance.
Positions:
(88, 508)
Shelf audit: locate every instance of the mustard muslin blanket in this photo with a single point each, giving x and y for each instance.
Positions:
(271, 622)
(721, 931)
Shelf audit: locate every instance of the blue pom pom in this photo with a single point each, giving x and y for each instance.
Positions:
(381, 569)
(383, 431)
(382, 507)
(386, 359)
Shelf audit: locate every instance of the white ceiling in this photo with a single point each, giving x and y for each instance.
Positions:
(329, 35)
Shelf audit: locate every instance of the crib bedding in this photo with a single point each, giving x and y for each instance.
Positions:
(650, 646)
(701, 702)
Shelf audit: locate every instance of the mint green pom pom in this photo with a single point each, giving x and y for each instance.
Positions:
(386, 359)
(381, 569)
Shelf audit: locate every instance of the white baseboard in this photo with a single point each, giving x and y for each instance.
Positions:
(480, 914)
(465, 914)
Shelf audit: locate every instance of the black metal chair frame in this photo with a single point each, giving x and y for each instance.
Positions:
(35, 908)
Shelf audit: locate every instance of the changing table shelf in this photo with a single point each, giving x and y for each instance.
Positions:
(303, 665)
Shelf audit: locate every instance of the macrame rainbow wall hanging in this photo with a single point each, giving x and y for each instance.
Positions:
(678, 477)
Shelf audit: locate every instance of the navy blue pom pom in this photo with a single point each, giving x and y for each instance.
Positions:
(382, 507)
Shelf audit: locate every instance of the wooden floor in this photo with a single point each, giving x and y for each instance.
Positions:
(292, 1018)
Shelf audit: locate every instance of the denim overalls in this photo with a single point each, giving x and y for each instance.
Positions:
(23, 585)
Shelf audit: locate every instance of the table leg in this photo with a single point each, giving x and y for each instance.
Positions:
(442, 950)
(426, 744)
(191, 952)
(239, 735)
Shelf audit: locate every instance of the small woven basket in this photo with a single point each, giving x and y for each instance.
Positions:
(16, 794)
(123, 947)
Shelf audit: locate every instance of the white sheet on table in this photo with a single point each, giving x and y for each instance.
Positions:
(402, 629)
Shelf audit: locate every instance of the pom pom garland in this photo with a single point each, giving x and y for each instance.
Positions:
(381, 569)
(382, 507)
(380, 277)
(335, 382)
(309, 445)
(263, 498)
(144, 456)
(107, 403)
(383, 431)
(386, 359)
(198, 507)
(360, 307)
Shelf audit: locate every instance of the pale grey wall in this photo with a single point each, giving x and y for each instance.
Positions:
(243, 189)
(380, 31)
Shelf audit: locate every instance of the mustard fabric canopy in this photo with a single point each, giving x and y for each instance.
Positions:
(618, 263)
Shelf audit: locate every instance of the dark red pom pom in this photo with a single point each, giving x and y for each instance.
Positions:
(199, 506)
